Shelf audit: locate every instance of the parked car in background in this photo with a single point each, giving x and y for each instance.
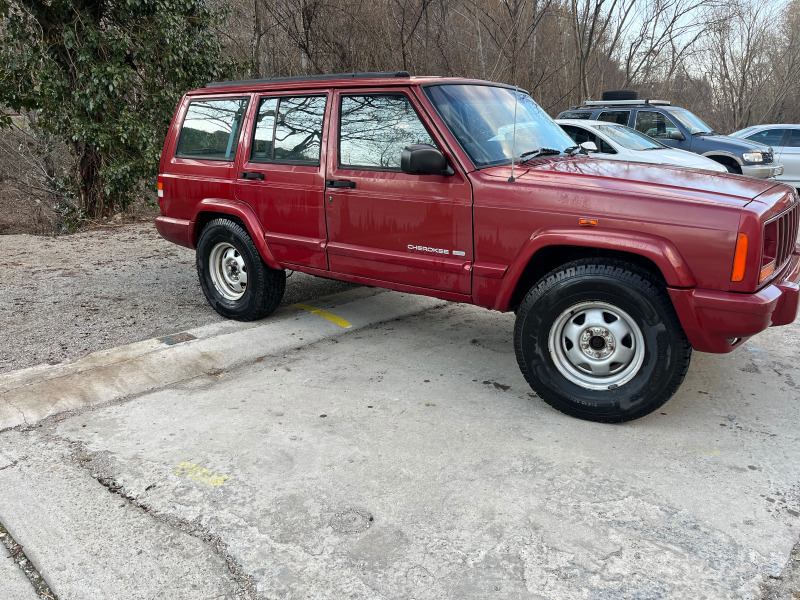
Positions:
(785, 143)
(678, 128)
(623, 143)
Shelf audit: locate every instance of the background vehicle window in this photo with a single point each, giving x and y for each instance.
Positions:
(629, 138)
(654, 124)
(770, 137)
(580, 135)
(211, 129)
(583, 114)
(794, 139)
(615, 116)
(289, 130)
(374, 130)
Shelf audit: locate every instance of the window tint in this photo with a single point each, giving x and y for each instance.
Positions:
(615, 116)
(584, 114)
(656, 125)
(580, 135)
(794, 139)
(289, 130)
(374, 130)
(770, 137)
(211, 129)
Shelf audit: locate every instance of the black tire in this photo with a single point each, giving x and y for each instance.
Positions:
(620, 95)
(225, 252)
(603, 289)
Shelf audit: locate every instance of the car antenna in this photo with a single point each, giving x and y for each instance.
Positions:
(514, 136)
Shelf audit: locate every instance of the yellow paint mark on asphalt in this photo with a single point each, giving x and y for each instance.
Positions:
(201, 474)
(324, 314)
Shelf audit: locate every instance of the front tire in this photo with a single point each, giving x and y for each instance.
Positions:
(234, 278)
(600, 340)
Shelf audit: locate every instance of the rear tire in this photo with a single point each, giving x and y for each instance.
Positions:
(234, 278)
(599, 340)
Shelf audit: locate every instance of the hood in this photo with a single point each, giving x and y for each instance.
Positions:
(677, 158)
(725, 142)
(638, 178)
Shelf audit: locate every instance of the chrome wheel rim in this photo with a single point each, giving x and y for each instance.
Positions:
(596, 345)
(228, 271)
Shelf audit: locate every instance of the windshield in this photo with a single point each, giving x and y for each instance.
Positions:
(690, 121)
(629, 138)
(481, 117)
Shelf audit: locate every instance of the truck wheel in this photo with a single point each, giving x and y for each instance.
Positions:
(235, 280)
(599, 340)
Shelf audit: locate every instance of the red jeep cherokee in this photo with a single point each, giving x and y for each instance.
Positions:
(466, 190)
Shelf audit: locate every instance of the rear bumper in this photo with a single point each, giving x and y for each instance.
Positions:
(177, 231)
(720, 321)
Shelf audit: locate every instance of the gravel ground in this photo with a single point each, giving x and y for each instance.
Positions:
(64, 297)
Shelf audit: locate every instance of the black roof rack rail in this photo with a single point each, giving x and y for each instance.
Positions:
(368, 75)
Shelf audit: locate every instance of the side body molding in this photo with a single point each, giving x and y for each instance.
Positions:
(244, 212)
(659, 250)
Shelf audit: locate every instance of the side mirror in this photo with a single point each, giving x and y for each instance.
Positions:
(423, 159)
(676, 135)
(589, 147)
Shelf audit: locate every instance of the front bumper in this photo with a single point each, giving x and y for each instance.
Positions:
(720, 321)
(762, 171)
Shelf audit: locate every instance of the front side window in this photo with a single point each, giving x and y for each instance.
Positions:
(211, 129)
(374, 130)
(495, 125)
(794, 139)
(289, 130)
(629, 138)
(770, 137)
(655, 124)
(621, 117)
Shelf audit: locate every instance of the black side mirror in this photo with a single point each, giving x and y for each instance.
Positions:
(676, 135)
(423, 159)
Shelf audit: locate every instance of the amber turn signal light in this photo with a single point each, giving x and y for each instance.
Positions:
(740, 258)
(766, 271)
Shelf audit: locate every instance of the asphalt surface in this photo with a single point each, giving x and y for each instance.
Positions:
(409, 459)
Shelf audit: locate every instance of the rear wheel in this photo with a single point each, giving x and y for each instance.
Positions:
(600, 340)
(234, 278)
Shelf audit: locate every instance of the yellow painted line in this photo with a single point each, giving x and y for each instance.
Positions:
(201, 474)
(324, 314)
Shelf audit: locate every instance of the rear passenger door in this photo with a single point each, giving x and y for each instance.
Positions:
(383, 224)
(282, 175)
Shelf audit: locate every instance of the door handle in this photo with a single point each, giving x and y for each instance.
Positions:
(339, 183)
(252, 175)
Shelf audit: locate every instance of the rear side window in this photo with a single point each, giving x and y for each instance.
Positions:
(621, 117)
(211, 129)
(374, 130)
(289, 130)
(770, 137)
(583, 114)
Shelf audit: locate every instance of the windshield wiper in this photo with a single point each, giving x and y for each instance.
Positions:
(538, 152)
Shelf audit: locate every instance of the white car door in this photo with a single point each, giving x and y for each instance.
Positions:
(789, 156)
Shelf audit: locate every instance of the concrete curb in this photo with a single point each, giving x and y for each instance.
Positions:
(30, 395)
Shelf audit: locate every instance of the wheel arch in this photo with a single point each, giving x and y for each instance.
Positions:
(240, 212)
(547, 251)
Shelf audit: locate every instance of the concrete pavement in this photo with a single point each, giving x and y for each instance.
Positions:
(410, 459)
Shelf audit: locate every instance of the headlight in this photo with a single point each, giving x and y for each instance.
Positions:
(754, 157)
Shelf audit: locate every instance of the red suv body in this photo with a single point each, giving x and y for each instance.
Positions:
(427, 185)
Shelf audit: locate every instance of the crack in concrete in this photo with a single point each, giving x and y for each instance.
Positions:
(26, 566)
(18, 409)
(246, 588)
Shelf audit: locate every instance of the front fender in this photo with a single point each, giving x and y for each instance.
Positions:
(660, 251)
(245, 213)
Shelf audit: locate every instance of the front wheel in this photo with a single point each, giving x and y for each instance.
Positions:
(600, 340)
(234, 278)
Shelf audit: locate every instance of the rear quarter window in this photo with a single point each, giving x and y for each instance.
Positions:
(574, 114)
(211, 128)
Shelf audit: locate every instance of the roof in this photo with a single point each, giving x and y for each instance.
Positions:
(311, 82)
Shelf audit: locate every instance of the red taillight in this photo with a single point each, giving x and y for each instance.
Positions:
(161, 195)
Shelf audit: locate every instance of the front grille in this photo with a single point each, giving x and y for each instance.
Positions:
(780, 237)
(768, 158)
